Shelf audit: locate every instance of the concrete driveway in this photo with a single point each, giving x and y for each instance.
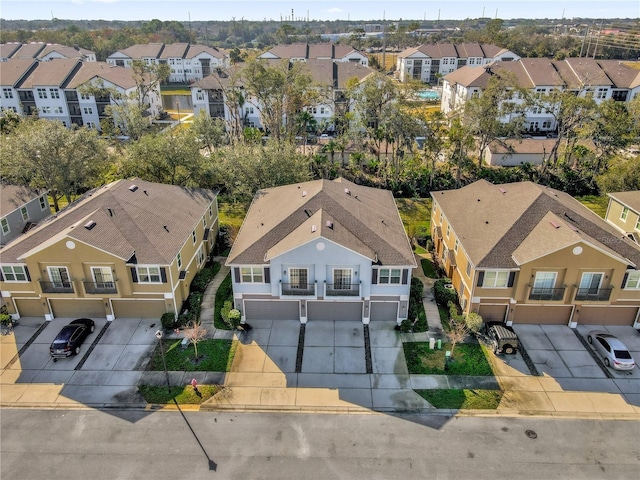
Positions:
(556, 351)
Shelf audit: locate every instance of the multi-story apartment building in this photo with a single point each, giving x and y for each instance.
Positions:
(304, 52)
(44, 51)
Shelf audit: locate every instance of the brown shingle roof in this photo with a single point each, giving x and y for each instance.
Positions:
(15, 196)
(134, 225)
(493, 221)
(13, 70)
(174, 50)
(365, 220)
(144, 50)
(120, 76)
(66, 51)
(628, 199)
(53, 73)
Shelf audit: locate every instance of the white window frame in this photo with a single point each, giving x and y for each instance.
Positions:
(624, 214)
(251, 274)
(25, 213)
(545, 282)
(103, 276)
(54, 92)
(200, 256)
(468, 269)
(388, 276)
(56, 278)
(5, 226)
(448, 230)
(296, 277)
(633, 281)
(10, 273)
(455, 246)
(42, 93)
(498, 281)
(591, 274)
(7, 93)
(637, 227)
(339, 275)
(145, 275)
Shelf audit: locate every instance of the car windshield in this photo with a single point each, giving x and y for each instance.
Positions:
(623, 354)
(59, 343)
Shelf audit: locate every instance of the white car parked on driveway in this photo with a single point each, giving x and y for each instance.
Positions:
(613, 351)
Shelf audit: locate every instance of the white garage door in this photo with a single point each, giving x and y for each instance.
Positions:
(138, 308)
(77, 308)
(381, 311)
(271, 310)
(334, 311)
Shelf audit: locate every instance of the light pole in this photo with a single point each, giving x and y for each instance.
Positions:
(164, 362)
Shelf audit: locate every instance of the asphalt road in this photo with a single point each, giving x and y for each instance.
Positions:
(94, 445)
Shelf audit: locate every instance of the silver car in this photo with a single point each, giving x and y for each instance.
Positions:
(613, 351)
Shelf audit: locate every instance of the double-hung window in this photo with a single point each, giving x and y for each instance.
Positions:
(59, 277)
(624, 214)
(25, 213)
(5, 226)
(495, 279)
(389, 276)
(14, 273)
(103, 277)
(251, 274)
(633, 281)
(148, 274)
(342, 278)
(299, 278)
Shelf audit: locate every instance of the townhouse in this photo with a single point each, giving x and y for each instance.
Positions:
(525, 253)
(322, 250)
(601, 79)
(188, 63)
(128, 249)
(53, 90)
(21, 209)
(44, 51)
(429, 62)
(623, 212)
(303, 52)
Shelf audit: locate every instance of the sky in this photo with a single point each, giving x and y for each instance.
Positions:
(183, 10)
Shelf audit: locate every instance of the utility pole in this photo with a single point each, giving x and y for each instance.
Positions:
(384, 43)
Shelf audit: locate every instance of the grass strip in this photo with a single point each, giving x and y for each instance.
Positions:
(183, 395)
(214, 355)
(468, 359)
(463, 399)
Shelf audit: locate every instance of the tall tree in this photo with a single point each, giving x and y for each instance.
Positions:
(209, 132)
(45, 154)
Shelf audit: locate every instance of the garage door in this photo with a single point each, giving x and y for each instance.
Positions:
(138, 308)
(29, 307)
(542, 314)
(77, 308)
(383, 311)
(493, 313)
(334, 311)
(607, 315)
(271, 310)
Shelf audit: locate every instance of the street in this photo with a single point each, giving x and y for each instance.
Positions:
(116, 444)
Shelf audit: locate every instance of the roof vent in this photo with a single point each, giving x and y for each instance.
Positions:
(133, 188)
(308, 212)
(554, 225)
(166, 228)
(110, 210)
(90, 224)
(145, 192)
(330, 224)
(313, 228)
(503, 190)
(304, 193)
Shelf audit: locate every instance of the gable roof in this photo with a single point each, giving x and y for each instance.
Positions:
(53, 73)
(311, 51)
(494, 221)
(15, 196)
(120, 76)
(15, 69)
(362, 219)
(628, 199)
(128, 221)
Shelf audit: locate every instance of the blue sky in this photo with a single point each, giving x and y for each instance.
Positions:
(226, 10)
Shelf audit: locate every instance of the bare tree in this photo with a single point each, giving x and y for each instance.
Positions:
(195, 334)
(458, 331)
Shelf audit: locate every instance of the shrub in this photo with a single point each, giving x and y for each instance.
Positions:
(203, 277)
(417, 316)
(473, 321)
(442, 294)
(168, 320)
(234, 317)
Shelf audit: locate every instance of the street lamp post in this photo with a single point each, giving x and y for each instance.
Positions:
(164, 362)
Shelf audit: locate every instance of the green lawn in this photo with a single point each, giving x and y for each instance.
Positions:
(415, 214)
(458, 399)
(468, 359)
(214, 355)
(595, 204)
(183, 395)
(429, 268)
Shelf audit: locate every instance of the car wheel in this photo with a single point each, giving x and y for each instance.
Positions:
(92, 329)
(508, 349)
(495, 349)
(589, 339)
(607, 362)
(77, 350)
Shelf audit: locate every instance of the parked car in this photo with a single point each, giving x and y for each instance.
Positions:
(613, 352)
(70, 338)
(502, 337)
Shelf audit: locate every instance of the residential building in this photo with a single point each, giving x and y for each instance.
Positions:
(511, 152)
(53, 90)
(21, 209)
(429, 62)
(600, 79)
(188, 63)
(303, 52)
(623, 212)
(209, 93)
(44, 51)
(128, 249)
(525, 253)
(322, 250)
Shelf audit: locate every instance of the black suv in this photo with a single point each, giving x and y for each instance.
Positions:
(502, 337)
(68, 341)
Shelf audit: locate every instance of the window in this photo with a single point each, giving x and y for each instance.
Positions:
(45, 109)
(25, 213)
(5, 226)
(495, 279)
(211, 210)
(389, 276)
(87, 110)
(468, 269)
(299, 278)
(193, 237)
(624, 214)
(43, 202)
(544, 282)
(601, 93)
(179, 259)
(448, 230)
(342, 278)
(632, 283)
(42, 93)
(200, 255)
(638, 224)
(8, 93)
(57, 109)
(14, 273)
(204, 223)
(85, 96)
(103, 277)
(59, 277)
(252, 274)
(199, 96)
(590, 282)
(440, 222)
(455, 246)
(54, 92)
(149, 274)
(248, 110)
